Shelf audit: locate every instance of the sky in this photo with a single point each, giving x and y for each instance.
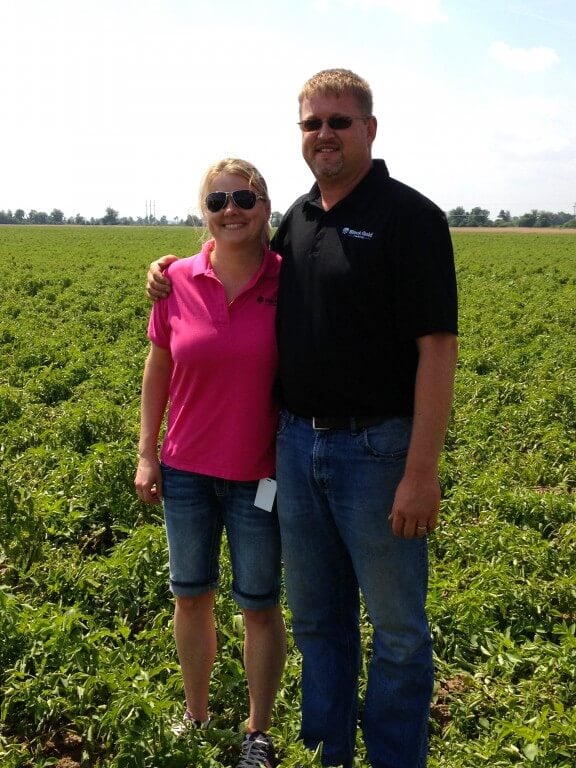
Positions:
(124, 103)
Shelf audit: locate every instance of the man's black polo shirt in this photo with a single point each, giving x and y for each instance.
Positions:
(358, 285)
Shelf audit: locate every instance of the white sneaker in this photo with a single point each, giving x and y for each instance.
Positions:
(186, 723)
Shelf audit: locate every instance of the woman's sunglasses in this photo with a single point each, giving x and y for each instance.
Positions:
(336, 123)
(242, 198)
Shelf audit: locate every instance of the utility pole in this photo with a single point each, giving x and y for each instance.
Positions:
(150, 211)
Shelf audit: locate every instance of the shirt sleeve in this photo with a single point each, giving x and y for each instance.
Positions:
(425, 294)
(158, 325)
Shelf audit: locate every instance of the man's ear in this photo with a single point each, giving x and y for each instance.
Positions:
(372, 129)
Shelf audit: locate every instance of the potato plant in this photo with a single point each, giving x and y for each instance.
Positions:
(88, 670)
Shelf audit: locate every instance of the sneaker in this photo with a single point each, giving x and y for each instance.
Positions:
(186, 723)
(257, 751)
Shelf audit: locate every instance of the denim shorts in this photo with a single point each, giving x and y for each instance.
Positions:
(197, 508)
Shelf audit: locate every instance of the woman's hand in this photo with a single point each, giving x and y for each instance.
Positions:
(148, 481)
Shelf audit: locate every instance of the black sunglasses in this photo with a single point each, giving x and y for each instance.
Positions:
(242, 198)
(336, 123)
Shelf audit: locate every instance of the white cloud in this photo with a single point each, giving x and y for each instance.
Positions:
(530, 128)
(420, 11)
(525, 60)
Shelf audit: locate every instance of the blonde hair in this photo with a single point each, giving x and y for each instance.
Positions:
(337, 82)
(237, 167)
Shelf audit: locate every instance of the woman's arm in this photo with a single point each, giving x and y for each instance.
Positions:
(155, 388)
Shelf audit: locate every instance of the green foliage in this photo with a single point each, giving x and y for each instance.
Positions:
(480, 217)
(88, 670)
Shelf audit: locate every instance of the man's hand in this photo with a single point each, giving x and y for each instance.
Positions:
(158, 286)
(417, 501)
(416, 506)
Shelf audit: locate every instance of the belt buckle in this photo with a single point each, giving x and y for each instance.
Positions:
(318, 429)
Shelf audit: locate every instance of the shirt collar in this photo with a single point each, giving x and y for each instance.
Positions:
(201, 263)
(375, 177)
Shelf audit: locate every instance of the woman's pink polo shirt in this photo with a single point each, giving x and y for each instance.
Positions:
(222, 416)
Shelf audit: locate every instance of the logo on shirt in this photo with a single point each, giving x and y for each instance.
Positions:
(264, 300)
(358, 234)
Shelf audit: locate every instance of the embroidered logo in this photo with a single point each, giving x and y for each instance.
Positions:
(266, 300)
(358, 234)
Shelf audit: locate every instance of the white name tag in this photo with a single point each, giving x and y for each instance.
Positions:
(265, 494)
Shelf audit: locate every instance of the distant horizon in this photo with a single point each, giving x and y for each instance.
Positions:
(174, 221)
(193, 212)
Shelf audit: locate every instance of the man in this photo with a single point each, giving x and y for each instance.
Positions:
(367, 323)
(366, 328)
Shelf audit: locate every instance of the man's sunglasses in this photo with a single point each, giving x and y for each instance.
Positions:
(336, 123)
(242, 198)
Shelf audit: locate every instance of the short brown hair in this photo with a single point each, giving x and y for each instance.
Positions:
(336, 82)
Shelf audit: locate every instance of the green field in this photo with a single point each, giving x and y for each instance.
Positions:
(88, 672)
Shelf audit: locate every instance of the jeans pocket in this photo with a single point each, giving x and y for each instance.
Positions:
(284, 419)
(388, 440)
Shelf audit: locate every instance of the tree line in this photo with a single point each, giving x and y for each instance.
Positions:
(19, 216)
(457, 217)
(480, 217)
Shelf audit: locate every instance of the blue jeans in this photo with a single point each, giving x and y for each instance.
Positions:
(335, 492)
(197, 508)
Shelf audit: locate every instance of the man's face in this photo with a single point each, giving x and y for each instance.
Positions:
(335, 156)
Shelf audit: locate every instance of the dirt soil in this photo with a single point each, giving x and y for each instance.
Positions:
(517, 230)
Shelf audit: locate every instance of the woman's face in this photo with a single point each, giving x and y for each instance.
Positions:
(233, 224)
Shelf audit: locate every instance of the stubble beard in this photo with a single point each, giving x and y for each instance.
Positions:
(329, 171)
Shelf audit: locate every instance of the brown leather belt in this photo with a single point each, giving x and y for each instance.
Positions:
(353, 423)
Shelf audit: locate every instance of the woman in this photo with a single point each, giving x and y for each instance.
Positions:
(213, 359)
